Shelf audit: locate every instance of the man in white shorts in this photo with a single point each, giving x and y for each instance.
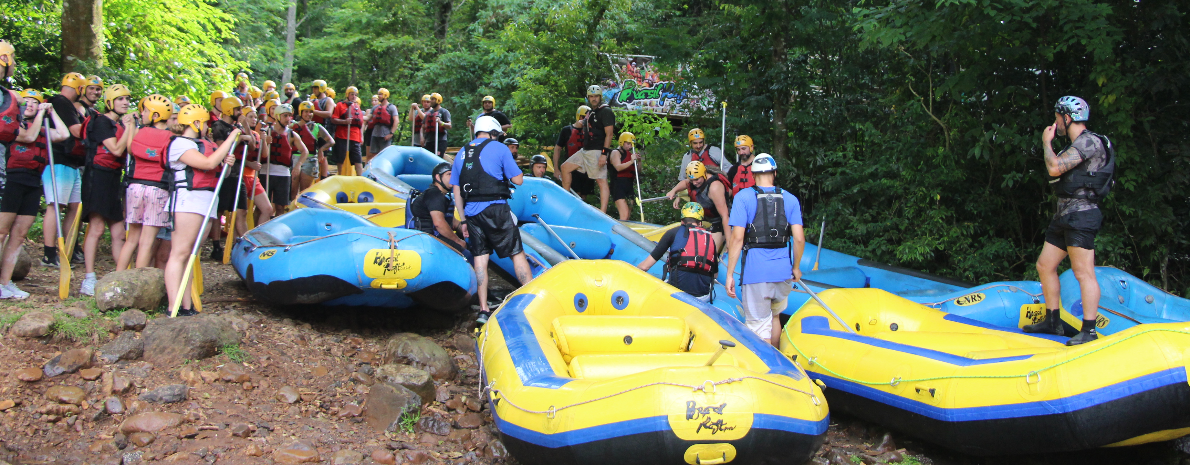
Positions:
(598, 132)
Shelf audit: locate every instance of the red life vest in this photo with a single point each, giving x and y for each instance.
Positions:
(78, 152)
(381, 117)
(626, 172)
(431, 124)
(321, 105)
(698, 255)
(10, 117)
(743, 179)
(147, 150)
(28, 155)
(703, 197)
(280, 152)
(417, 123)
(305, 135)
(253, 153)
(104, 159)
(705, 157)
(195, 179)
(575, 143)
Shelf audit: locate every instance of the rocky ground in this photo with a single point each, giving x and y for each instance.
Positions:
(250, 383)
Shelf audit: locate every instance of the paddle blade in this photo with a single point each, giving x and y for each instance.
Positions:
(231, 235)
(72, 236)
(198, 276)
(64, 270)
(251, 214)
(196, 299)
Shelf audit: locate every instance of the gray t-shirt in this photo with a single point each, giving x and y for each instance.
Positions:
(1089, 148)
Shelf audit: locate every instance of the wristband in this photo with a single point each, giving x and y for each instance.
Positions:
(607, 151)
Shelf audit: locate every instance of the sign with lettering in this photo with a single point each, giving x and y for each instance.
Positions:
(970, 299)
(711, 420)
(389, 263)
(637, 85)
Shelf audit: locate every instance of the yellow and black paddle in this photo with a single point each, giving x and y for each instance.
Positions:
(193, 260)
(63, 254)
(231, 225)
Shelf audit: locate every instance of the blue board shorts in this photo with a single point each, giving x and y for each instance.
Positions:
(70, 184)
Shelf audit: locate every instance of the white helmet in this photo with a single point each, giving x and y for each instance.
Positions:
(594, 90)
(488, 124)
(764, 163)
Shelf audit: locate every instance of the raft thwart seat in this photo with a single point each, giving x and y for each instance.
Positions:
(607, 366)
(613, 334)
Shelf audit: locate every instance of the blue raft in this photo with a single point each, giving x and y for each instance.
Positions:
(331, 257)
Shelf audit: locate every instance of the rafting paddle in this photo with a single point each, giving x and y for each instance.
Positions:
(63, 255)
(821, 233)
(636, 168)
(231, 225)
(202, 229)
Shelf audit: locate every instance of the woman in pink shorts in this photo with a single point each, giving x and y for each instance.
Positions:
(147, 194)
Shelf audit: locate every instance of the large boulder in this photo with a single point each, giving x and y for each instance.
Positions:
(418, 381)
(170, 341)
(386, 403)
(420, 352)
(24, 264)
(126, 346)
(33, 324)
(140, 288)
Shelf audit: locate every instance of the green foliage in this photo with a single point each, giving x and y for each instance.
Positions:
(409, 419)
(235, 353)
(75, 329)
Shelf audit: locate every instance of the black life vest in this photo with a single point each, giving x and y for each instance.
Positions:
(769, 229)
(280, 151)
(698, 255)
(476, 184)
(591, 133)
(103, 158)
(423, 224)
(743, 179)
(147, 151)
(575, 142)
(195, 179)
(703, 196)
(78, 151)
(30, 156)
(1097, 184)
(629, 173)
(705, 157)
(10, 116)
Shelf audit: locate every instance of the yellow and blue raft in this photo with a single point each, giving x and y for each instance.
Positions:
(358, 195)
(597, 362)
(989, 390)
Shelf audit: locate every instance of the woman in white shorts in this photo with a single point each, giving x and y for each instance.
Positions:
(195, 163)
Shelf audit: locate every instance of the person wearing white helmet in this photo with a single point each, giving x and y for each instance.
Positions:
(1082, 175)
(481, 175)
(766, 223)
(598, 135)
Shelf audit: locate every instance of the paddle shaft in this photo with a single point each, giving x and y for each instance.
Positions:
(53, 178)
(63, 259)
(556, 237)
(202, 229)
(231, 226)
(636, 168)
(723, 138)
(821, 234)
(824, 306)
(654, 199)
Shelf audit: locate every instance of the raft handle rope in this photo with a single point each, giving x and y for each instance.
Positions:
(1028, 376)
(328, 236)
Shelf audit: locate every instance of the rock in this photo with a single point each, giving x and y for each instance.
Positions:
(298, 452)
(166, 394)
(140, 288)
(133, 458)
(462, 343)
(420, 352)
(241, 430)
(886, 445)
(91, 374)
(434, 424)
(126, 346)
(1182, 444)
(150, 422)
(288, 394)
(29, 375)
(360, 377)
(32, 324)
(66, 394)
(133, 319)
(347, 457)
(892, 456)
(75, 312)
(120, 384)
(253, 450)
(496, 450)
(383, 457)
(386, 403)
(112, 326)
(113, 405)
(233, 373)
(469, 420)
(24, 264)
(472, 404)
(69, 362)
(7, 404)
(418, 381)
(141, 439)
(416, 456)
(455, 404)
(171, 340)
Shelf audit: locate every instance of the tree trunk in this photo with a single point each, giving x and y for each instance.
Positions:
(781, 97)
(82, 32)
(290, 33)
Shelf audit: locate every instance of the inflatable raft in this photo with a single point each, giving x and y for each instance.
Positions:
(597, 362)
(355, 194)
(987, 390)
(332, 257)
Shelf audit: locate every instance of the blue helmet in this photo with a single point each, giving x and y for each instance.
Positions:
(1076, 107)
(764, 163)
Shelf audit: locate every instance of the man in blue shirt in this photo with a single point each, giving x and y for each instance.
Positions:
(480, 176)
(763, 220)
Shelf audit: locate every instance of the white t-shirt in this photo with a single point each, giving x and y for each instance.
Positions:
(185, 200)
(176, 148)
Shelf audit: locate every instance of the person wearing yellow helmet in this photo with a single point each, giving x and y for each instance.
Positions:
(349, 120)
(283, 146)
(10, 103)
(194, 165)
(693, 259)
(489, 109)
(146, 198)
(625, 160)
(289, 94)
(181, 100)
(710, 190)
(417, 115)
(702, 152)
(368, 127)
(570, 141)
(107, 139)
(268, 85)
(740, 175)
(324, 104)
(70, 105)
(243, 87)
(598, 137)
(384, 121)
(435, 125)
(26, 160)
(766, 226)
(254, 93)
(316, 139)
(8, 60)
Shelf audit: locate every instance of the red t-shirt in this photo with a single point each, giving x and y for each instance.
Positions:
(343, 110)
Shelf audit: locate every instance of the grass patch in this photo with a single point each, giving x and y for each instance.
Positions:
(907, 461)
(235, 353)
(409, 419)
(75, 329)
(8, 319)
(83, 302)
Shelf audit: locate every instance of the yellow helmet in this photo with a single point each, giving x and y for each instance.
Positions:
(427, 98)
(696, 170)
(158, 106)
(268, 106)
(304, 106)
(216, 95)
(272, 94)
(75, 81)
(229, 106)
(581, 112)
(254, 92)
(289, 87)
(33, 94)
(114, 92)
(268, 85)
(626, 137)
(741, 141)
(692, 210)
(695, 134)
(182, 100)
(330, 92)
(7, 55)
(242, 77)
(352, 90)
(320, 84)
(436, 98)
(94, 80)
(194, 116)
(382, 93)
(489, 98)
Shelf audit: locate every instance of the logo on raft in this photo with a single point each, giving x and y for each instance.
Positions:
(268, 254)
(970, 299)
(704, 416)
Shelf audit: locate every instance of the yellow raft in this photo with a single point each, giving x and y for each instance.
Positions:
(356, 194)
(597, 362)
(987, 390)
